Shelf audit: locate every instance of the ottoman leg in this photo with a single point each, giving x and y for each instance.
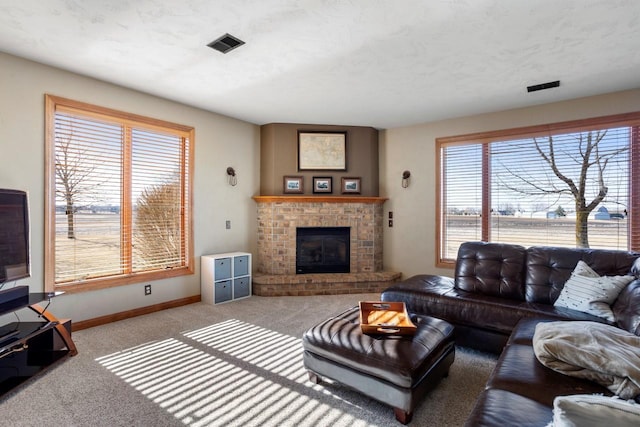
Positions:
(403, 416)
(314, 378)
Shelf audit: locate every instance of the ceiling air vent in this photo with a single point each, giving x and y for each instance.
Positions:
(543, 86)
(226, 43)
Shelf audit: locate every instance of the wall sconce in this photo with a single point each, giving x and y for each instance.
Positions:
(232, 179)
(405, 179)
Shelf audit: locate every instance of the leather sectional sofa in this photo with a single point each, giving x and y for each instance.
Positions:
(498, 295)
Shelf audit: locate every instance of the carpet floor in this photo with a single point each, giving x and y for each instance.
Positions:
(234, 364)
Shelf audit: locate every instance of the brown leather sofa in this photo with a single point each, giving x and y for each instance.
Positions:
(498, 295)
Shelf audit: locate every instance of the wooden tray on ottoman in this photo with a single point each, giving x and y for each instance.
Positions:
(390, 318)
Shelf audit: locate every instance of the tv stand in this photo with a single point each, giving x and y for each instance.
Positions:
(28, 348)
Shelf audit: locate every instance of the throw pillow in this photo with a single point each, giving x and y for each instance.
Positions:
(584, 410)
(587, 292)
(583, 269)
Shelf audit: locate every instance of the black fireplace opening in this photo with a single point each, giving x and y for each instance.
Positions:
(322, 250)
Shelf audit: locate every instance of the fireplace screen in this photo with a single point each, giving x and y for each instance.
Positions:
(322, 250)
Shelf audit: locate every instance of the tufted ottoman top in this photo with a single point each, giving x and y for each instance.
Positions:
(401, 360)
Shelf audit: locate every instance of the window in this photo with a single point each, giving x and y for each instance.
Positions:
(567, 184)
(118, 197)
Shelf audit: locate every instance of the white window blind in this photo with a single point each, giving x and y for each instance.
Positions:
(121, 205)
(158, 219)
(88, 156)
(461, 196)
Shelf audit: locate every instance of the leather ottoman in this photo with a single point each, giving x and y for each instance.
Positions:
(395, 370)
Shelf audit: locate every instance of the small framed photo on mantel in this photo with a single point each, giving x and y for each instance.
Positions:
(322, 184)
(293, 185)
(350, 185)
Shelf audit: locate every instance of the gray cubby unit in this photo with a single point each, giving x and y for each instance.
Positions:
(225, 277)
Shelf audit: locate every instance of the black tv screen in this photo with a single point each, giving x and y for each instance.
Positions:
(14, 235)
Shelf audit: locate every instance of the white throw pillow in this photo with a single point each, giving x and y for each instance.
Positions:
(585, 410)
(587, 292)
(583, 269)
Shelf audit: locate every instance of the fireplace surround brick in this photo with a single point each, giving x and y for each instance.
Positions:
(278, 218)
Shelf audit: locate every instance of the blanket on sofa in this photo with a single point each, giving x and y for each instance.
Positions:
(602, 353)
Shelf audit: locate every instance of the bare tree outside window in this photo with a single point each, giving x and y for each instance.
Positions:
(73, 177)
(577, 173)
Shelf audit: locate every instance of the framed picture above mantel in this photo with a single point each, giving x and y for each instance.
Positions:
(326, 151)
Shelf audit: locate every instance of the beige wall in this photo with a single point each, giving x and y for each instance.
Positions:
(279, 151)
(219, 142)
(410, 245)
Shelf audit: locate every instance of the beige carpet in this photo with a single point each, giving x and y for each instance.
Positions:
(234, 364)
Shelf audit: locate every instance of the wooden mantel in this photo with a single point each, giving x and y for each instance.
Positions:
(320, 199)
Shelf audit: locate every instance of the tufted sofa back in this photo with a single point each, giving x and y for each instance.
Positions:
(495, 269)
(538, 274)
(548, 268)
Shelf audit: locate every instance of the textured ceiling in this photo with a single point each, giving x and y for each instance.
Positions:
(381, 63)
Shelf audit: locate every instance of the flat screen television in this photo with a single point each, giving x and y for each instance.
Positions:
(15, 262)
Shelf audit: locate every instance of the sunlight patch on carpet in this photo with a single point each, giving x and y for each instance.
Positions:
(279, 354)
(231, 373)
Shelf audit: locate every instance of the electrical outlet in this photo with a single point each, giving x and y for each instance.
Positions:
(228, 225)
(147, 289)
(390, 223)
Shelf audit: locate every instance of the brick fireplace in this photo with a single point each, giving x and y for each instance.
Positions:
(278, 219)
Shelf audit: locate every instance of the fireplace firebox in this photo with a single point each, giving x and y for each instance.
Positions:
(322, 250)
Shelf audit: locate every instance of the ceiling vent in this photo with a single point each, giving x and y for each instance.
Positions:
(543, 86)
(226, 43)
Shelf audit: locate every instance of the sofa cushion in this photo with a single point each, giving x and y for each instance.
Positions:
(524, 330)
(491, 269)
(504, 408)
(587, 291)
(519, 371)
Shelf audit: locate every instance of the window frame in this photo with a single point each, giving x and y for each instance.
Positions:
(485, 138)
(56, 103)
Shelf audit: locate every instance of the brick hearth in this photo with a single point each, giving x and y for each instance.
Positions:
(278, 218)
(323, 284)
